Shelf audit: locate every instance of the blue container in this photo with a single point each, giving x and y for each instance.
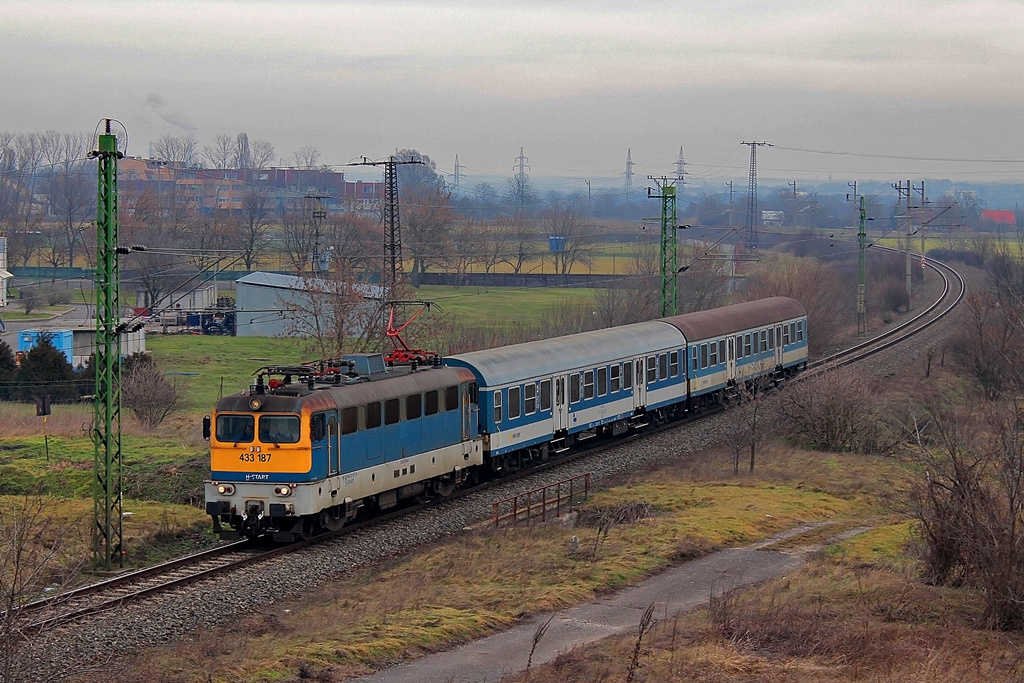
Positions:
(62, 340)
(556, 243)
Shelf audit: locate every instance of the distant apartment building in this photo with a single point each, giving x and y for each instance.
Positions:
(228, 189)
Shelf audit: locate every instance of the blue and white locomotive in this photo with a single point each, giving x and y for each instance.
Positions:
(309, 446)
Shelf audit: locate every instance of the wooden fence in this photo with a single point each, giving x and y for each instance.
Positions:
(543, 503)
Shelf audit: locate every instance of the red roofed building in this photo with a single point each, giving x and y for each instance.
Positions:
(998, 217)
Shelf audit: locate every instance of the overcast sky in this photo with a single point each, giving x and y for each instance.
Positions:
(860, 89)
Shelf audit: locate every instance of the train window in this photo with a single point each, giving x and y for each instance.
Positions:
(771, 337)
(235, 428)
(739, 346)
(545, 395)
(785, 335)
(497, 407)
(627, 375)
(514, 402)
(530, 398)
(800, 330)
(373, 415)
(588, 384)
(713, 353)
(663, 366)
(602, 381)
(764, 340)
(430, 402)
(392, 412)
(574, 387)
(613, 376)
(652, 369)
(413, 406)
(279, 429)
(693, 358)
(721, 351)
(673, 363)
(317, 427)
(747, 351)
(349, 420)
(473, 393)
(703, 356)
(451, 398)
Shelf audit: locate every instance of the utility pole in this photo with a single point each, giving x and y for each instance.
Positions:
(752, 217)
(392, 273)
(458, 176)
(316, 221)
(793, 185)
(922, 228)
(107, 539)
(669, 258)
(729, 183)
(629, 177)
(862, 245)
(906, 192)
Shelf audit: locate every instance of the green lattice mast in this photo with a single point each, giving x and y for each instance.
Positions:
(106, 533)
(669, 253)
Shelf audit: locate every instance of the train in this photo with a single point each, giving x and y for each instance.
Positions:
(310, 447)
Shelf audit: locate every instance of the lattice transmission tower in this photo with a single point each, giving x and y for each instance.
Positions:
(752, 216)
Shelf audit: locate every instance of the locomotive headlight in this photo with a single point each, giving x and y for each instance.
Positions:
(225, 489)
(283, 490)
(255, 403)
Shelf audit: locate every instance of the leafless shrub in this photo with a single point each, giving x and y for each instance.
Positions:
(647, 622)
(968, 501)
(149, 394)
(624, 513)
(835, 411)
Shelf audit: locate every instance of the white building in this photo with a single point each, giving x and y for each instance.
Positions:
(274, 305)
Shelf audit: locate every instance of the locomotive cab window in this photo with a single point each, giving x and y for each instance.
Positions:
(317, 427)
(235, 428)
(279, 428)
(451, 398)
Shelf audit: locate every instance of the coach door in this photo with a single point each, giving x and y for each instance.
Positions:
(639, 384)
(778, 346)
(730, 362)
(560, 408)
(333, 445)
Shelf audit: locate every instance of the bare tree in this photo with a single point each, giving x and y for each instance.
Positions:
(307, 157)
(72, 188)
(835, 411)
(34, 556)
(222, 153)
(521, 248)
(752, 424)
(574, 244)
(253, 227)
(467, 248)
(261, 153)
(181, 150)
(333, 314)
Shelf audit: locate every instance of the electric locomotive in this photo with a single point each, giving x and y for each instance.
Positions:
(307, 447)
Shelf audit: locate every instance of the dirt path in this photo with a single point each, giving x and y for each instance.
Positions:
(676, 590)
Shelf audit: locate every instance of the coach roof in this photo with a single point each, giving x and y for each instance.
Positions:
(547, 357)
(738, 317)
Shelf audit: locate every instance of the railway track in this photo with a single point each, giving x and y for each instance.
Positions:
(113, 593)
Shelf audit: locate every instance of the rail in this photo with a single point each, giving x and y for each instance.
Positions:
(538, 502)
